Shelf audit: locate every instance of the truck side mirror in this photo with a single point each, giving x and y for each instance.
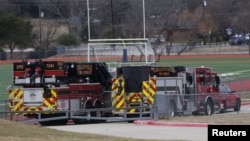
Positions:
(189, 79)
(217, 79)
(233, 91)
(47, 93)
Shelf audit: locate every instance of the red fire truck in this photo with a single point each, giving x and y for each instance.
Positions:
(54, 90)
(190, 90)
(197, 90)
(57, 90)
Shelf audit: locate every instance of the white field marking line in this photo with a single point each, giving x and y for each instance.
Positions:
(228, 74)
(233, 73)
(2, 104)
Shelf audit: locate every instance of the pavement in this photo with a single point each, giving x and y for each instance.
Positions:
(148, 122)
(175, 124)
(245, 103)
(165, 123)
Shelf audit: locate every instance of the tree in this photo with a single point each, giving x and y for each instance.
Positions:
(162, 18)
(15, 32)
(68, 40)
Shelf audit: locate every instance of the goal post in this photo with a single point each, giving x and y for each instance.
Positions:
(133, 49)
(123, 51)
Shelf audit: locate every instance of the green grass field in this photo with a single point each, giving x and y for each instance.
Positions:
(5, 80)
(220, 65)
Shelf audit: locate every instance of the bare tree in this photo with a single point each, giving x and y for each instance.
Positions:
(50, 32)
(123, 18)
(231, 13)
(71, 13)
(162, 18)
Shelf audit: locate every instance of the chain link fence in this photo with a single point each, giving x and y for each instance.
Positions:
(239, 82)
(107, 49)
(6, 69)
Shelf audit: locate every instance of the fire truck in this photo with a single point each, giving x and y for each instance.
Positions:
(51, 90)
(57, 90)
(81, 91)
(195, 90)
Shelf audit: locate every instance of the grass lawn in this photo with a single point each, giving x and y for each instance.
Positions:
(218, 64)
(238, 65)
(5, 80)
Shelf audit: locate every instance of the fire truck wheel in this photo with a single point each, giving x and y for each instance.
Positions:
(237, 106)
(224, 108)
(208, 108)
(172, 109)
(98, 113)
(132, 116)
(88, 114)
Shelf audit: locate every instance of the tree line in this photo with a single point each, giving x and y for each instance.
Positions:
(40, 23)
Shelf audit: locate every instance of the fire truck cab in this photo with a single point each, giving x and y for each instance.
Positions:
(201, 93)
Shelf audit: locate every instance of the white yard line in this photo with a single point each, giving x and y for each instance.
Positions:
(233, 73)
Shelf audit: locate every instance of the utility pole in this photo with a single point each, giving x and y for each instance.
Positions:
(41, 15)
(112, 16)
(204, 5)
(40, 26)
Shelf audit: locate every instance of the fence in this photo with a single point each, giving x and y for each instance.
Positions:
(5, 80)
(81, 114)
(220, 49)
(109, 50)
(237, 81)
(160, 110)
(3, 109)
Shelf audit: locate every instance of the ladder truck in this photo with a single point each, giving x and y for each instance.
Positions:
(57, 90)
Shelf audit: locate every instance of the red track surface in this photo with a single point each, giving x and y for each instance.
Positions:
(105, 58)
(242, 85)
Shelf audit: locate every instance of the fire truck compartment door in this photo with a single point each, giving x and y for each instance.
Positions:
(68, 104)
(33, 96)
(170, 84)
(63, 104)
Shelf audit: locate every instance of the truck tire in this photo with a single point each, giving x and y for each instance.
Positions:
(89, 114)
(132, 116)
(172, 109)
(237, 106)
(208, 107)
(98, 113)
